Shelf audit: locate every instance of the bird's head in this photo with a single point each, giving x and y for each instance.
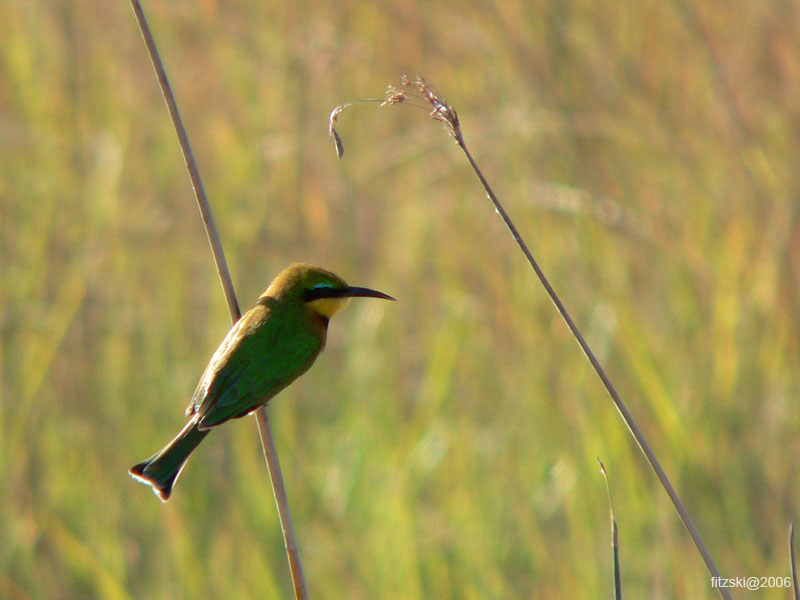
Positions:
(322, 292)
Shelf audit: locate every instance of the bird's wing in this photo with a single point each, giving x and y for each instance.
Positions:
(257, 359)
(232, 352)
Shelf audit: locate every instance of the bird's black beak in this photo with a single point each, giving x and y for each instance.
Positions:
(348, 292)
(362, 292)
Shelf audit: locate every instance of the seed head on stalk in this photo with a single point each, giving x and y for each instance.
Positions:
(417, 93)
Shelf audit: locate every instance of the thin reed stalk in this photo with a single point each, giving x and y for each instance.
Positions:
(420, 94)
(265, 433)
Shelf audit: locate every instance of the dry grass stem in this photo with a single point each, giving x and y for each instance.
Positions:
(265, 433)
(419, 91)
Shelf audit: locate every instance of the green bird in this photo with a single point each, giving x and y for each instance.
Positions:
(273, 343)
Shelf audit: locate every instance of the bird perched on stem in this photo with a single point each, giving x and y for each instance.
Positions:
(273, 343)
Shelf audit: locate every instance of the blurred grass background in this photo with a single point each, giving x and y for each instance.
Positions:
(443, 446)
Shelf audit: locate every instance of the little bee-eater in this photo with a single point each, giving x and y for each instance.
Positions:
(273, 343)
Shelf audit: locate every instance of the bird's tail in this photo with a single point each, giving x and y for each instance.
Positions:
(162, 469)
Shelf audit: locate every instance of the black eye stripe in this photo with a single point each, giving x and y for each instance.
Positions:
(322, 291)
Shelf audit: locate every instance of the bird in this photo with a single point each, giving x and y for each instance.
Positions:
(271, 345)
